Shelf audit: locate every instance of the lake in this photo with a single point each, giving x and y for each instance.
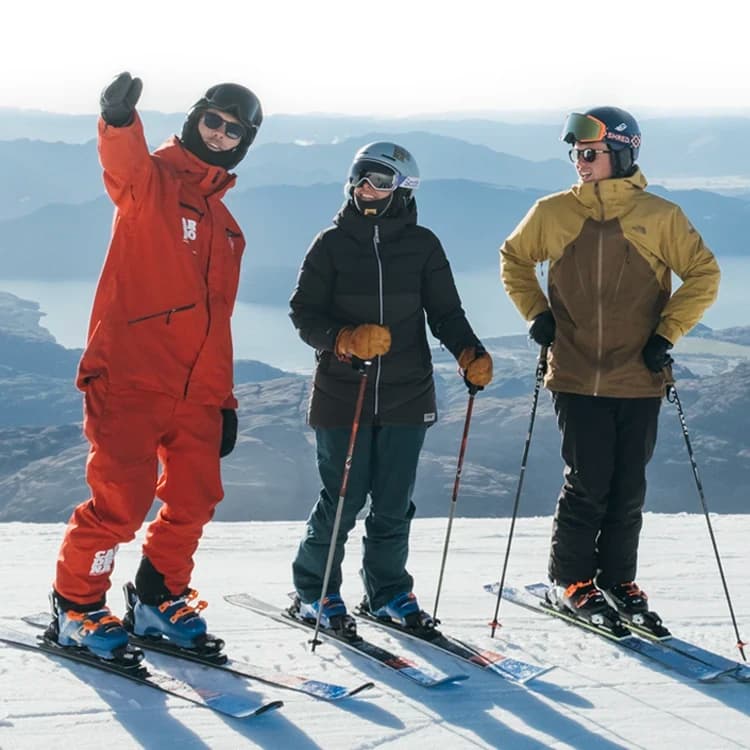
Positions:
(265, 333)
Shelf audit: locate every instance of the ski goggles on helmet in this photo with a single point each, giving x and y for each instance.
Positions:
(379, 176)
(583, 128)
(214, 121)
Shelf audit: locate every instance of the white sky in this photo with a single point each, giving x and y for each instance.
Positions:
(387, 57)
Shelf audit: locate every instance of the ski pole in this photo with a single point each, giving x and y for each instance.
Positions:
(469, 408)
(362, 366)
(541, 368)
(672, 397)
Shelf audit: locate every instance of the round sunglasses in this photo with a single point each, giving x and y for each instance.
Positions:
(587, 154)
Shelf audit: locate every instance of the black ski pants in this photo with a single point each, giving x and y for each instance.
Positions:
(606, 444)
(384, 466)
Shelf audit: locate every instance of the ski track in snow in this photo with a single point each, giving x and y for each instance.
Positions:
(598, 696)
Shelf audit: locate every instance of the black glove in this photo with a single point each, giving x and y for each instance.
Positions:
(118, 100)
(655, 353)
(542, 328)
(228, 431)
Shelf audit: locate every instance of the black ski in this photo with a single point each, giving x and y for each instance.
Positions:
(498, 663)
(229, 704)
(424, 676)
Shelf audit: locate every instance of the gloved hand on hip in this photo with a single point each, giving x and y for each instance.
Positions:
(364, 341)
(655, 353)
(118, 99)
(542, 329)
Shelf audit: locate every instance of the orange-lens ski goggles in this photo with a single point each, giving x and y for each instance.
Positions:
(583, 128)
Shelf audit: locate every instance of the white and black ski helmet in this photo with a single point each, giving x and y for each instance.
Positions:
(399, 162)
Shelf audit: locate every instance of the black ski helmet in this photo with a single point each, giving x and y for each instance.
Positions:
(390, 159)
(616, 127)
(235, 100)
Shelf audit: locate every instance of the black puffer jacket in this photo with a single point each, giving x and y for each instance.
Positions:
(388, 271)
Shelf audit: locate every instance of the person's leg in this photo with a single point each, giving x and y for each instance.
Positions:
(587, 425)
(190, 489)
(395, 457)
(308, 567)
(123, 429)
(636, 427)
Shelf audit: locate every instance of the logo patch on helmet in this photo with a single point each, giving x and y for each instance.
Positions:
(400, 154)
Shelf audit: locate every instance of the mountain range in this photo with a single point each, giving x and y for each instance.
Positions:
(480, 178)
(271, 474)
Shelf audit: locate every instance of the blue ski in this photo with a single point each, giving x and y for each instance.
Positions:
(424, 676)
(235, 705)
(498, 663)
(533, 598)
(316, 688)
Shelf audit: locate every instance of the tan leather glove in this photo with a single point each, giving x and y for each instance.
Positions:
(364, 341)
(476, 366)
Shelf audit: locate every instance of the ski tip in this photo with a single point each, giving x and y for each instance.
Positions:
(272, 706)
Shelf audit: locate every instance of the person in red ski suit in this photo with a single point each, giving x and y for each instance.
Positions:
(156, 371)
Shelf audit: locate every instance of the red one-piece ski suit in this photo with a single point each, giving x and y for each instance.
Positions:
(157, 367)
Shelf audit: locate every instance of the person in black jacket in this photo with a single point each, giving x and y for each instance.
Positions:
(364, 289)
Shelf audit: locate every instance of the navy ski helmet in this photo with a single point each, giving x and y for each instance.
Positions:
(616, 127)
(386, 166)
(235, 100)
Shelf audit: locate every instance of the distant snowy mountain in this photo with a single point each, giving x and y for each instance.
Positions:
(271, 474)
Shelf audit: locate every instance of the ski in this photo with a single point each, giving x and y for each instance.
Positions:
(659, 633)
(732, 668)
(494, 662)
(653, 651)
(424, 676)
(236, 706)
(316, 688)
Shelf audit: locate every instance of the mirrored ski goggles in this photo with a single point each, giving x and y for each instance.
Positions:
(378, 177)
(583, 128)
(233, 130)
(587, 154)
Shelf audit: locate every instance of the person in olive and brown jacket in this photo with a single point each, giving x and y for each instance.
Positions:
(365, 287)
(157, 369)
(609, 322)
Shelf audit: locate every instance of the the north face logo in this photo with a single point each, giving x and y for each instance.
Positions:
(103, 562)
(189, 230)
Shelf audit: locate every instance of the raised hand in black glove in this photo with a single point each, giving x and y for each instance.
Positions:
(655, 353)
(118, 100)
(228, 431)
(542, 328)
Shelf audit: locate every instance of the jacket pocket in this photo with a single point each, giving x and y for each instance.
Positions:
(166, 314)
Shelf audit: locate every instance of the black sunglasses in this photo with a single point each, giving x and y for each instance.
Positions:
(587, 154)
(233, 130)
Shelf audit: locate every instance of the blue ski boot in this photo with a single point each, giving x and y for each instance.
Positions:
(98, 631)
(404, 610)
(333, 614)
(177, 620)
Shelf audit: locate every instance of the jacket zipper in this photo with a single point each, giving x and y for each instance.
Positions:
(169, 312)
(599, 306)
(376, 245)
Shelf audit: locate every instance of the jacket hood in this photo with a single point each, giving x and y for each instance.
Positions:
(211, 180)
(614, 196)
(349, 220)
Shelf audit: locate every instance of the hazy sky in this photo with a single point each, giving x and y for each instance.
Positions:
(394, 58)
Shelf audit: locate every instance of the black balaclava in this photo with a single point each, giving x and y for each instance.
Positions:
(192, 141)
(374, 209)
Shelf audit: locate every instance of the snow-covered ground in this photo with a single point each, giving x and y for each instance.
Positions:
(598, 696)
